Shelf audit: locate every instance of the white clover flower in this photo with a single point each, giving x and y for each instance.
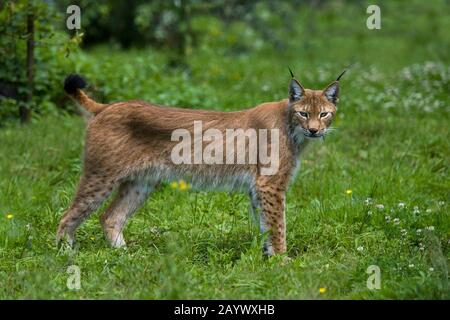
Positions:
(401, 205)
(379, 207)
(360, 248)
(389, 104)
(396, 221)
(416, 210)
(441, 203)
(154, 230)
(368, 201)
(431, 269)
(428, 210)
(404, 232)
(387, 218)
(411, 265)
(369, 212)
(430, 228)
(419, 231)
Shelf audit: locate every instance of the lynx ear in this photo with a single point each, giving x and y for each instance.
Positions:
(332, 92)
(296, 91)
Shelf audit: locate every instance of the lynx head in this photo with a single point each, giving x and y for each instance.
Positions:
(312, 111)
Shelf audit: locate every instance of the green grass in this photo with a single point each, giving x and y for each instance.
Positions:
(391, 145)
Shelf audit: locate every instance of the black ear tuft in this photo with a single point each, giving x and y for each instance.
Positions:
(292, 74)
(74, 82)
(296, 90)
(343, 72)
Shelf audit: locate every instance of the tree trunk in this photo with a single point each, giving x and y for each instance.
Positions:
(25, 111)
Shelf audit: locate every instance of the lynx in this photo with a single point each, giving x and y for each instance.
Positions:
(129, 148)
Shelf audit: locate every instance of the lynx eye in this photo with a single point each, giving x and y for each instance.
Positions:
(323, 114)
(303, 114)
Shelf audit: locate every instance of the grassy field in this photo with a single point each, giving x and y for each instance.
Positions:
(378, 195)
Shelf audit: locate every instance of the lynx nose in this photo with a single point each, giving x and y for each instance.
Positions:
(313, 130)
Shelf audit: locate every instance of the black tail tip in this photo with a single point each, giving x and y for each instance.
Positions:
(74, 82)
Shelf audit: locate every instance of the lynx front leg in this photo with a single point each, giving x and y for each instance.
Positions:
(272, 218)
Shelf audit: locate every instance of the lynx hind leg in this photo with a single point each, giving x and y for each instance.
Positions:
(131, 195)
(92, 192)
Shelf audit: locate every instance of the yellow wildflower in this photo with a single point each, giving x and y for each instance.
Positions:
(9, 216)
(183, 185)
(322, 290)
(349, 191)
(180, 185)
